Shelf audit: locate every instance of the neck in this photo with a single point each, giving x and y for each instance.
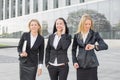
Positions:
(59, 33)
(34, 33)
(84, 32)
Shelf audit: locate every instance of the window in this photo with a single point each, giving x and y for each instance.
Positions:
(81, 1)
(55, 3)
(28, 7)
(68, 2)
(36, 5)
(45, 7)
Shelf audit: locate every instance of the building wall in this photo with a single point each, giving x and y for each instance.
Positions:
(108, 8)
(15, 8)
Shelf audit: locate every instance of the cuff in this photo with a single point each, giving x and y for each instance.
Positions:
(40, 66)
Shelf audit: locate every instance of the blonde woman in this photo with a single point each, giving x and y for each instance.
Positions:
(31, 51)
(86, 62)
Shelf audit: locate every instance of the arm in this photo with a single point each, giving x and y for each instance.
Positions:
(101, 44)
(66, 41)
(47, 56)
(74, 48)
(20, 44)
(41, 51)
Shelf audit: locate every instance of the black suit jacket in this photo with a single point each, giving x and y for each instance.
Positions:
(87, 58)
(60, 52)
(37, 49)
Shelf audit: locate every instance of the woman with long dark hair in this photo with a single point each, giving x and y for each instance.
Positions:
(56, 58)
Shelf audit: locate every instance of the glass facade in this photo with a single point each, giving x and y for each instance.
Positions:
(45, 6)
(68, 2)
(105, 14)
(55, 4)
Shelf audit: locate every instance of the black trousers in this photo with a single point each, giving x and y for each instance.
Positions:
(87, 74)
(58, 72)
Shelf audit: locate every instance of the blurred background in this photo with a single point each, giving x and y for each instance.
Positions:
(15, 15)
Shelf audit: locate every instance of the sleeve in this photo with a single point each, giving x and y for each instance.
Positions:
(101, 44)
(47, 55)
(66, 41)
(20, 44)
(74, 49)
(41, 51)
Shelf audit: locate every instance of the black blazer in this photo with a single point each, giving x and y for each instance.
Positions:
(37, 49)
(87, 58)
(60, 52)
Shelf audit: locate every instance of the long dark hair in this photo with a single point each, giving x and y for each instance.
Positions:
(65, 23)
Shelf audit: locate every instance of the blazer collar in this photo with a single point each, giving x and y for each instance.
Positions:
(88, 36)
(80, 39)
(29, 41)
(52, 39)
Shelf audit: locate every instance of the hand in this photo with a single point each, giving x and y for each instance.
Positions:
(89, 47)
(76, 65)
(63, 31)
(47, 66)
(39, 71)
(23, 54)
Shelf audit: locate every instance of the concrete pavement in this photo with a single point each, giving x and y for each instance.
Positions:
(108, 70)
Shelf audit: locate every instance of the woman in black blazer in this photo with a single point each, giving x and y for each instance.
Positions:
(86, 62)
(56, 59)
(31, 51)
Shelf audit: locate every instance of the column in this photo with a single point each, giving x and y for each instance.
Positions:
(1, 10)
(50, 4)
(24, 7)
(31, 6)
(11, 8)
(40, 5)
(75, 2)
(61, 3)
(4, 9)
(17, 8)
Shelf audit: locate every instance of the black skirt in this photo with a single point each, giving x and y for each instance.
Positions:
(27, 73)
(87, 74)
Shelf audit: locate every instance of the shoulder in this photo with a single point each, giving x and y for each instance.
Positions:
(41, 37)
(76, 35)
(51, 35)
(25, 34)
(94, 32)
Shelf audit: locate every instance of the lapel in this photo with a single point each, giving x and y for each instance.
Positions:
(58, 46)
(88, 37)
(80, 39)
(28, 40)
(52, 39)
(36, 42)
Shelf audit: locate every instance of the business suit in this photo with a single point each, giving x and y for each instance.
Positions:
(87, 58)
(61, 54)
(28, 65)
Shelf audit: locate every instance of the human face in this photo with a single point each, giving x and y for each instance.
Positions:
(34, 26)
(60, 25)
(87, 25)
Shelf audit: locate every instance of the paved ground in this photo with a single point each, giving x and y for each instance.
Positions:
(108, 70)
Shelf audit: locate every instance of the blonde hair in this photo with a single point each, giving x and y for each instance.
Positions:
(82, 22)
(35, 20)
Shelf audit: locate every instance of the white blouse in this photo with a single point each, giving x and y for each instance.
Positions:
(84, 36)
(55, 44)
(33, 39)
